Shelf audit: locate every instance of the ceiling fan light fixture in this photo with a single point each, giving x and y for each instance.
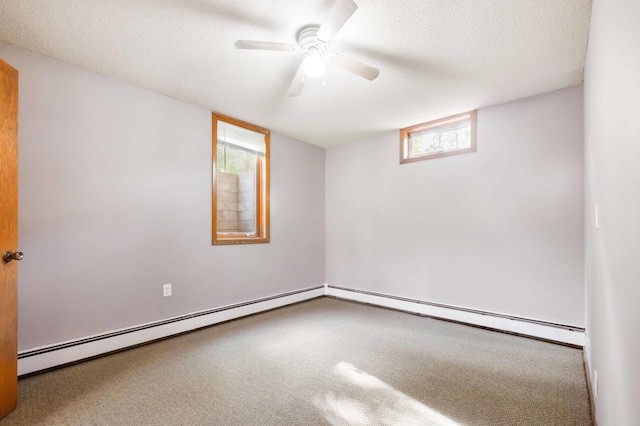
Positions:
(314, 44)
(314, 64)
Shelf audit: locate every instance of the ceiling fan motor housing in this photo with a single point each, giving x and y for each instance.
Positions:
(308, 39)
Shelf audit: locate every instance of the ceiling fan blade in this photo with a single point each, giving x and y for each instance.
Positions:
(265, 45)
(358, 68)
(298, 83)
(338, 15)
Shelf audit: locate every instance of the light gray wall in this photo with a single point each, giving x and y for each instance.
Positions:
(115, 200)
(612, 138)
(499, 230)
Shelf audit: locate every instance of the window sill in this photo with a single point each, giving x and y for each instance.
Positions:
(228, 240)
(438, 155)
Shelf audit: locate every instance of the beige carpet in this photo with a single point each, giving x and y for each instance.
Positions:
(320, 362)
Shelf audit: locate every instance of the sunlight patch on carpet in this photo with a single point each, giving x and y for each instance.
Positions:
(359, 398)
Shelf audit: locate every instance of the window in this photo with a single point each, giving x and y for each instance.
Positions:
(440, 138)
(240, 182)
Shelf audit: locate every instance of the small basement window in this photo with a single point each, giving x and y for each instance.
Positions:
(440, 138)
(240, 182)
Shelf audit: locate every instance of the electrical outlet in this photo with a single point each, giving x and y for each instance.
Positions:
(166, 290)
(595, 383)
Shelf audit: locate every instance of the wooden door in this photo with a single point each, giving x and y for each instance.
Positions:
(8, 238)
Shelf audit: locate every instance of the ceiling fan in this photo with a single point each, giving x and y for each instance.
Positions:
(313, 43)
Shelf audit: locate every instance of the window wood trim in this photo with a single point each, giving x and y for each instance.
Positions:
(262, 188)
(404, 137)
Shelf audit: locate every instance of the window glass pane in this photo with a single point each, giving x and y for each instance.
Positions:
(241, 137)
(232, 159)
(443, 137)
(236, 189)
(440, 139)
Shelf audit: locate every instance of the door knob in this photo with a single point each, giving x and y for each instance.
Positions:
(8, 256)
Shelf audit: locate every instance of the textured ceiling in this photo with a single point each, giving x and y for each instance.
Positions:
(437, 57)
